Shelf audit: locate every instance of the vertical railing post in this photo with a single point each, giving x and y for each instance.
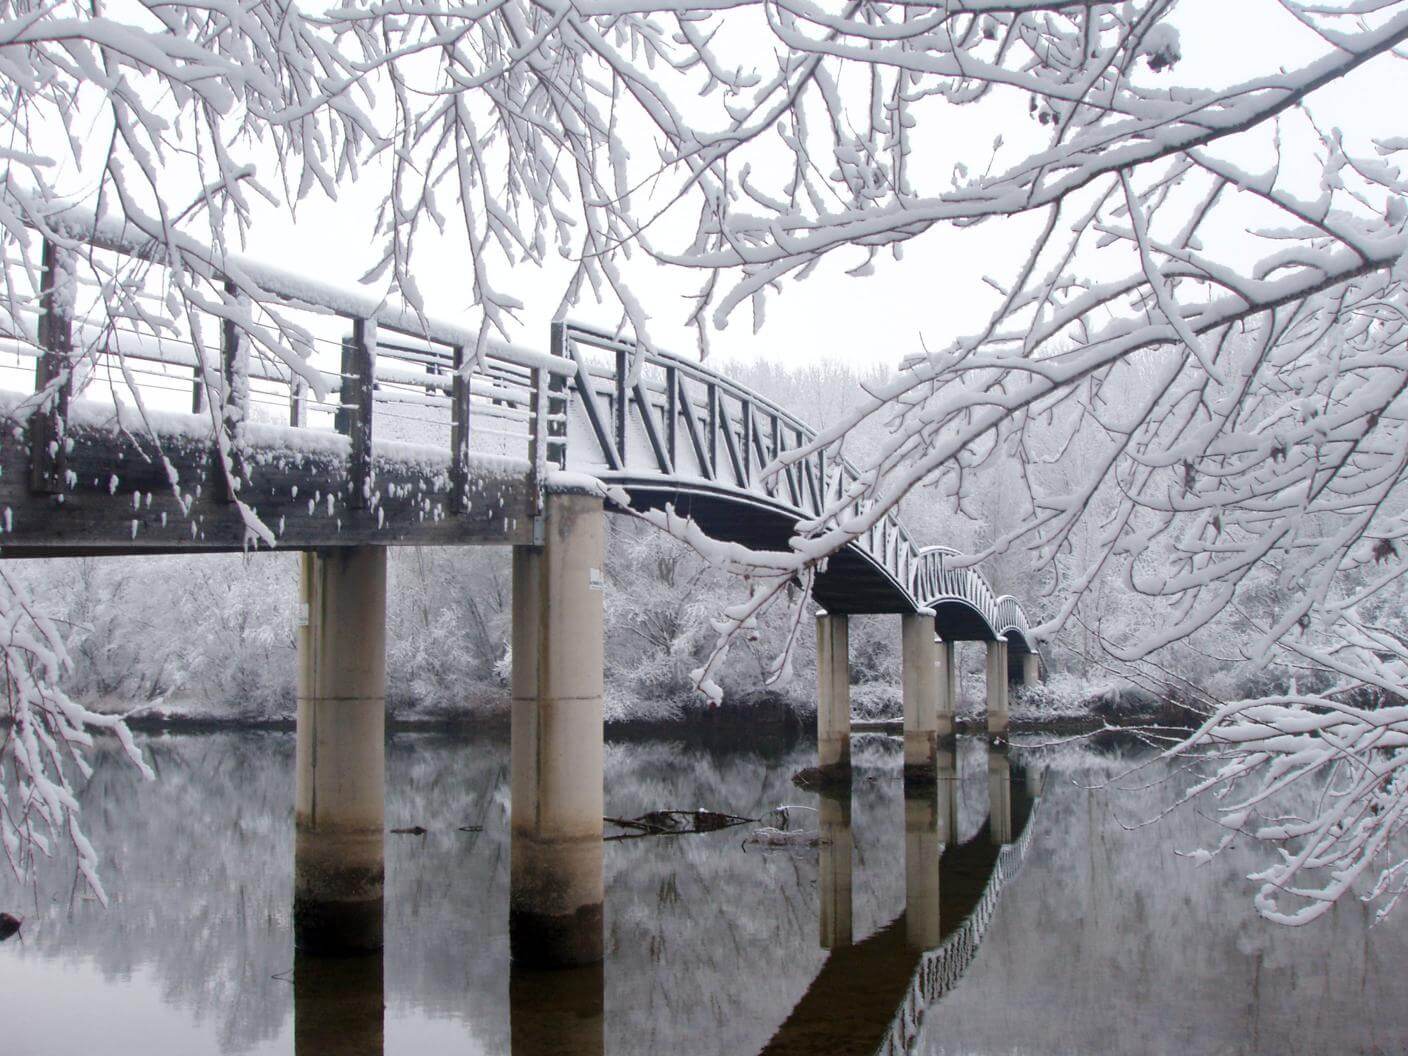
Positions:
(672, 414)
(621, 409)
(537, 441)
(745, 425)
(557, 397)
(459, 432)
(53, 373)
(711, 440)
(355, 402)
(234, 401)
(297, 402)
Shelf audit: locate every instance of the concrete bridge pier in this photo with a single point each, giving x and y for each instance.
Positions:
(1031, 669)
(997, 688)
(834, 864)
(946, 678)
(833, 709)
(556, 886)
(919, 681)
(338, 868)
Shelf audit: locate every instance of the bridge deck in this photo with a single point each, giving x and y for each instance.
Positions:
(126, 487)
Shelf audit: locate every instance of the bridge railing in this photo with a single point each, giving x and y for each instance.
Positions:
(306, 358)
(937, 581)
(651, 413)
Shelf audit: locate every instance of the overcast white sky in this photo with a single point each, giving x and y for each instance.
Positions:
(935, 292)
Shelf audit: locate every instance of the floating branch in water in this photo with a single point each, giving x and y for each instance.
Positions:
(674, 823)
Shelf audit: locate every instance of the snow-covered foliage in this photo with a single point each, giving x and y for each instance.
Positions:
(47, 734)
(1208, 278)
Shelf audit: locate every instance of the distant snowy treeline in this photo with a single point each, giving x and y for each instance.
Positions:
(215, 634)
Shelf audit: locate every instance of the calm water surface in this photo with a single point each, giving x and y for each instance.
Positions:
(1074, 933)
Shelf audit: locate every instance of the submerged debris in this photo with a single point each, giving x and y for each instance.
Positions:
(674, 823)
(9, 925)
(768, 836)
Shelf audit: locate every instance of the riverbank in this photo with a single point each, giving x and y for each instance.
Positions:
(770, 714)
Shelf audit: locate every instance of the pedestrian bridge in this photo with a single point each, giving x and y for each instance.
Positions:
(315, 419)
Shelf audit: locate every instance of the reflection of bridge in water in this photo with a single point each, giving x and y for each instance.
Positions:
(869, 996)
(315, 420)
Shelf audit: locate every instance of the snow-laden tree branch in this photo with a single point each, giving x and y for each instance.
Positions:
(1205, 292)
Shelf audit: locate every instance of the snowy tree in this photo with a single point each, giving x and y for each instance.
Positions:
(1220, 245)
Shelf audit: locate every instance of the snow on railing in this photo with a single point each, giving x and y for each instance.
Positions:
(256, 345)
(936, 582)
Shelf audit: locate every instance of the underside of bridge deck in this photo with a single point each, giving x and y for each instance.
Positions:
(852, 584)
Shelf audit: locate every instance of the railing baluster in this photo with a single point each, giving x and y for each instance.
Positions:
(711, 404)
(297, 403)
(557, 420)
(355, 408)
(672, 414)
(537, 439)
(459, 432)
(53, 373)
(622, 409)
(696, 437)
(745, 427)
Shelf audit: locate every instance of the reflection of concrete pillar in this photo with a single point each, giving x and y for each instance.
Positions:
(919, 682)
(999, 796)
(997, 686)
(338, 870)
(338, 1005)
(556, 886)
(923, 821)
(551, 1013)
(947, 799)
(835, 868)
(833, 677)
(946, 675)
(1033, 775)
(1031, 669)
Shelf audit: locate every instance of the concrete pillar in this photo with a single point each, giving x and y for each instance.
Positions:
(338, 1005)
(338, 868)
(557, 1012)
(946, 679)
(919, 681)
(999, 796)
(1031, 669)
(833, 676)
(556, 886)
(834, 862)
(997, 687)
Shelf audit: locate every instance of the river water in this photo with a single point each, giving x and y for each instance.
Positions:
(1076, 931)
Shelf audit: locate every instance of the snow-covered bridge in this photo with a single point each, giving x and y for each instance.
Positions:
(313, 419)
